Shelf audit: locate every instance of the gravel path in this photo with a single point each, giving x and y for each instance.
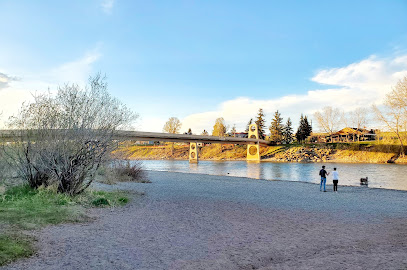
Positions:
(191, 221)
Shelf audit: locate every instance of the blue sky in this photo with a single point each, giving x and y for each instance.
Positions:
(199, 60)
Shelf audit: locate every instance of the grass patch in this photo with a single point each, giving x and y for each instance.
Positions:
(27, 208)
(111, 198)
(23, 208)
(13, 247)
(100, 201)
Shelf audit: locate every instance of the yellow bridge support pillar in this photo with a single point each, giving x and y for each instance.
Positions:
(253, 150)
(193, 153)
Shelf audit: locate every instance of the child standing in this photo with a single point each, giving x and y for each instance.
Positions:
(335, 178)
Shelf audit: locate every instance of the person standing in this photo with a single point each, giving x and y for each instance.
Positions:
(323, 175)
(335, 179)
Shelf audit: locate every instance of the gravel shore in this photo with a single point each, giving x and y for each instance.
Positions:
(193, 221)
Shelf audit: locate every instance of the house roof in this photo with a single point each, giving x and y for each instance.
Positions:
(358, 131)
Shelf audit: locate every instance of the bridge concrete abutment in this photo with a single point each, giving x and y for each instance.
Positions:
(253, 150)
(193, 152)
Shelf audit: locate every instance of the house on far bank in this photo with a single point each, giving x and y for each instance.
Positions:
(241, 134)
(347, 134)
(237, 134)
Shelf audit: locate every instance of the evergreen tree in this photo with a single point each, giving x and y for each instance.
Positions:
(300, 131)
(189, 131)
(288, 131)
(276, 128)
(248, 124)
(260, 123)
(304, 129)
(307, 127)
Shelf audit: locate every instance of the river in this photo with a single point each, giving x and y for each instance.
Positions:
(388, 176)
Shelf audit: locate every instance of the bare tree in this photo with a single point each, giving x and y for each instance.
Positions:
(394, 113)
(359, 119)
(66, 137)
(397, 98)
(173, 125)
(219, 129)
(345, 118)
(328, 119)
(233, 131)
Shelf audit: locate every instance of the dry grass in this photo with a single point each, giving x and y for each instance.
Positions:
(361, 156)
(223, 152)
(152, 152)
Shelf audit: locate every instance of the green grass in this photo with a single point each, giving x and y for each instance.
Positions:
(23, 208)
(27, 208)
(13, 247)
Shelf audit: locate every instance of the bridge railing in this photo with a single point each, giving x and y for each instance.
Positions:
(9, 135)
(169, 137)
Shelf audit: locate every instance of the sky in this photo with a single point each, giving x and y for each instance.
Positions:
(200, 60)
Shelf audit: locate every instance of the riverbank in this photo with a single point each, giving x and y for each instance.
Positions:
(192, 221)
(341, 153)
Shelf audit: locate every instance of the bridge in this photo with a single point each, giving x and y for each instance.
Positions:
(253, 142)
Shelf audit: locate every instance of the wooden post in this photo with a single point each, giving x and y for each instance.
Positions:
(253, 150)
(193, 153)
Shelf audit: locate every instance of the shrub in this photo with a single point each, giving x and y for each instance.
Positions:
(100, 202)
(65, 138)
(124, 171)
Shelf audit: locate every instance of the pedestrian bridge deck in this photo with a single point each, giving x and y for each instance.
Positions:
(8, 135)
(253, 142)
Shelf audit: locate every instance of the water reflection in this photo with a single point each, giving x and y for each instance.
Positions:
(254, 170)
(172, 166)
(220, 168)
(193, 167)
(390, 176)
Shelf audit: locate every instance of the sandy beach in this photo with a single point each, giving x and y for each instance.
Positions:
(194, 221)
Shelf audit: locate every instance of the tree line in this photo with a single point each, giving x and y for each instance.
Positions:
(279, 132)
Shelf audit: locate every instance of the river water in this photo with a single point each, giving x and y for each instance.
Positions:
(389, 176)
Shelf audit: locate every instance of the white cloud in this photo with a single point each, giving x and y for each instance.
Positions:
(150, 123)
(10, 103)
(359, 85)
(5, 80)
(77, 70)
(107, 6)
(15, 92)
